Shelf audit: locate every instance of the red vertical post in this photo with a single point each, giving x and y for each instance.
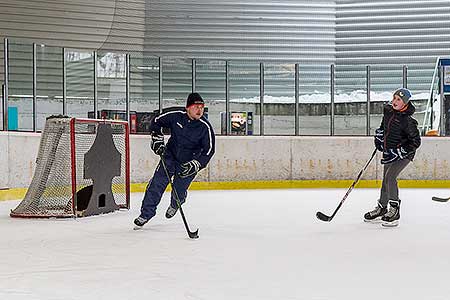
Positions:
(73, 166)
(127, 164)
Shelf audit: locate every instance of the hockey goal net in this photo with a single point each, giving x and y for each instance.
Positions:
(60, 178)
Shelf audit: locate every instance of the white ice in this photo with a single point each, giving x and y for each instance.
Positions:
(254, 244)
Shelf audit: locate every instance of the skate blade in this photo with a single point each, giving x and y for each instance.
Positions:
(374, 221)
(138, 227)
(390, 224)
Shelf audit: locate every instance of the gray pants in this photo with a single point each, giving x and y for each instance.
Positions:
(389, 187)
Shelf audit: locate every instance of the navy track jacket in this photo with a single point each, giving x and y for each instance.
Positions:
(190, 139)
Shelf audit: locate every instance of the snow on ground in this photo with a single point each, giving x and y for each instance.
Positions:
(255, 244)
(320, 97)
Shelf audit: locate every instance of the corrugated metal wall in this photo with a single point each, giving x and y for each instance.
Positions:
(248, 31)
(87, 24)
(387, 34)
(286, 31)
(103, 25)
(80, 24)
(296, 31)
(352, 33)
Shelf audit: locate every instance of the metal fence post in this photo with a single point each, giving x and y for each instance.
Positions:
(33, 111)
(442, 100)
(405, 76)
(227, 98)
(127, 87)
(368, 100)
(64, 82)
(261, 98)
(95, 85)
(194, 74)
(160, 91)
(297, 108)
(332, 91)
(3, 100)
(6, 84)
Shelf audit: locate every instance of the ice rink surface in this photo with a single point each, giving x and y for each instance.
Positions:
(255, 244)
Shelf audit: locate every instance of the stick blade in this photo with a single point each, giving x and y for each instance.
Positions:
(438, 199)
(323, 217)
(193, 235)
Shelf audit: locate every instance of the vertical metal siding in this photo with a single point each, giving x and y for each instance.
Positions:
(246, 32)
(296, 31)
(389, 34)
(80, 24)
(74, 23)
(385, 34)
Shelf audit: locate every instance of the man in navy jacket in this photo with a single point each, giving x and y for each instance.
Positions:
(189, 149)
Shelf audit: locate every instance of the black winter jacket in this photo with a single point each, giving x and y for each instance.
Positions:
(400, 130)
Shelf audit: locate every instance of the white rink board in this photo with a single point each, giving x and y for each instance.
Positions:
(254, 158)
(257, 244)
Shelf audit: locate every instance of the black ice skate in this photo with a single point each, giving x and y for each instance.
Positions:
(171, 211)
(139, 222)
(375, 215)
(390, 219)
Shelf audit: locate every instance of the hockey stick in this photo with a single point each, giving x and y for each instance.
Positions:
(438, 199)
(325, 218)
(192, 235)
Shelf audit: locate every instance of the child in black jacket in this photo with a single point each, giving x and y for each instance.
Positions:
(398, 138)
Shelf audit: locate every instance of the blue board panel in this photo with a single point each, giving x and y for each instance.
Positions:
(13, 118)
(446, 64)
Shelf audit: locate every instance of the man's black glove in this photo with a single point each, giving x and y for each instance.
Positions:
(189, 168)
(391, 155)
(157, 143)
(379, 139)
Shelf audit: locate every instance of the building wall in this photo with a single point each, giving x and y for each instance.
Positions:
(297, 31)
(387, 34)
(286, 31)
(103, 25)
(79, 24)
(384, 34)
(350, 33)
